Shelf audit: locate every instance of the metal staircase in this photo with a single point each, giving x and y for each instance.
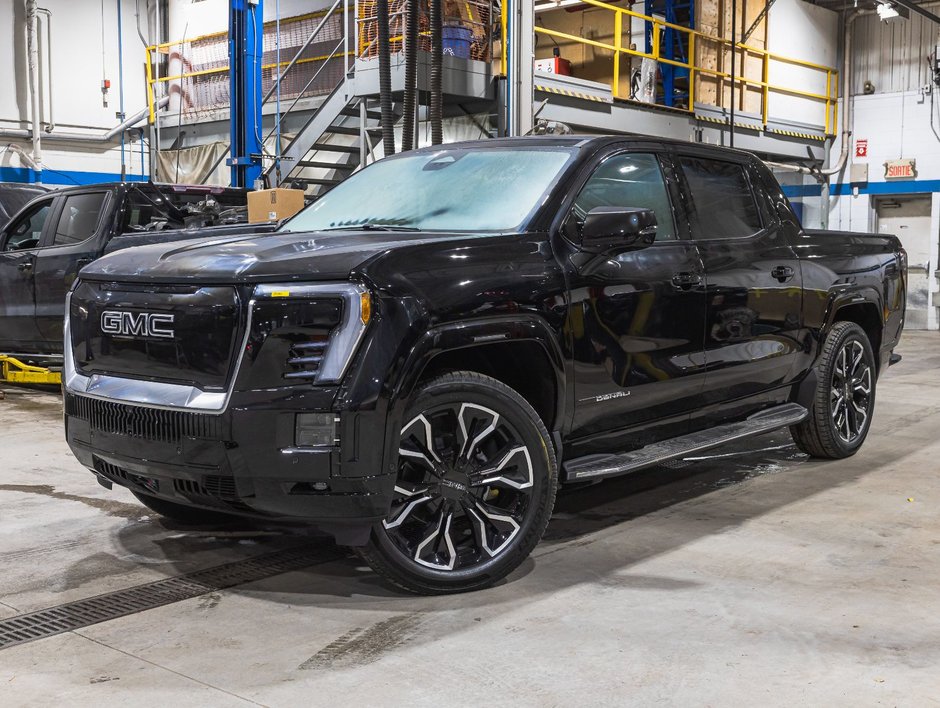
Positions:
(334, 142)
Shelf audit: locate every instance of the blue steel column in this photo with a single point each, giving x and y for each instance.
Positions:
(246, 53)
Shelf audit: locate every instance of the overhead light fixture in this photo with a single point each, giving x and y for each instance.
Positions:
(887, 11)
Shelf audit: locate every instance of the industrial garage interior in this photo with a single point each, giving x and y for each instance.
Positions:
(439, 352)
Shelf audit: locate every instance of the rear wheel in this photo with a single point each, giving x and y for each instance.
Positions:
(474, 491)
(188, 515)
(845, 396)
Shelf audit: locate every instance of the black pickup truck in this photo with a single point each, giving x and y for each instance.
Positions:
(46, 243)
(416, 361)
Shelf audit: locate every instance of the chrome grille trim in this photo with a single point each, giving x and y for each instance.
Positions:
(343, 344)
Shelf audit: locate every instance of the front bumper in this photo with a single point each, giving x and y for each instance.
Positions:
(244, 460)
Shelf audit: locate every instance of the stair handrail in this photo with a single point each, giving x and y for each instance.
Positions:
(300, 95)
(281, 74)
(306, 44)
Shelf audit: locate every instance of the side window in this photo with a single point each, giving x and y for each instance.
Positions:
(723, 205)
(79, 218)
(25, 232)
(629, 180)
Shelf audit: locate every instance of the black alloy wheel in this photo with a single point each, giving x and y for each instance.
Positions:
(844, 400)
(474, 488)
(852, 384)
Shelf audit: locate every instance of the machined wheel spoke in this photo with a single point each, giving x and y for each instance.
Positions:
(420, 449)
(858, 353)
(514, 469)
(860, 416)
(495, 526)
(476, 422)
(399, 518)
(438, 543)
(840, 365)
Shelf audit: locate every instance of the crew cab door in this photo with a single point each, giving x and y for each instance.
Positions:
(636, 317)
(753, 280)
(19, 244)
(73, 241)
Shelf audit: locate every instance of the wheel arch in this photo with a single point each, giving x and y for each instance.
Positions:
(867, 315)
(521, 352)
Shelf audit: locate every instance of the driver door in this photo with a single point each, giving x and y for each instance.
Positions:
(637, 317)
(19, 244)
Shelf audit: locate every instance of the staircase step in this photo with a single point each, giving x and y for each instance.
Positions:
(326, 165)
(311, 180)
(326, 147)
(343, 130)
(609, 465)
(353, 111)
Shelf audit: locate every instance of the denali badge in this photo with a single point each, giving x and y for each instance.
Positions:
(137, 324)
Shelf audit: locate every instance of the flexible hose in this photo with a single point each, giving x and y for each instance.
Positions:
(385, 78)
(408, 141)
(437, 67)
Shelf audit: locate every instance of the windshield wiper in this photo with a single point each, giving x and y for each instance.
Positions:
(372, 227)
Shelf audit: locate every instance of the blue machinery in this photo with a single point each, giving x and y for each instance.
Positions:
(246, 56)
(674, 45)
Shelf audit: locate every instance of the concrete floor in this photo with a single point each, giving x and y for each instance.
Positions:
(753, 576)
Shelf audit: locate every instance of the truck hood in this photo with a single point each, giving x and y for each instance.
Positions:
(255, 258)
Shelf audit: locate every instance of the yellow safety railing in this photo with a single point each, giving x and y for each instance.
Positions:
(154, 51)
(829, 99)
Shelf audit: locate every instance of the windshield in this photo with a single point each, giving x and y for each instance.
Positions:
(488, 189)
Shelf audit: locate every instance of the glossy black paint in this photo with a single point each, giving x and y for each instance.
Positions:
(630, 346)
(35, 281)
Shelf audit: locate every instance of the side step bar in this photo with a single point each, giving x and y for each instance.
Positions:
(596, 466)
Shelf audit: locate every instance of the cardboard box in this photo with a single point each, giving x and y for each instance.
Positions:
(274, 204)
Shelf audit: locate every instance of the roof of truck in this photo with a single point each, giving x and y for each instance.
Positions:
(583, 141)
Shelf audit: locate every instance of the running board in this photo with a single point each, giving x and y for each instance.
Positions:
(595, 466)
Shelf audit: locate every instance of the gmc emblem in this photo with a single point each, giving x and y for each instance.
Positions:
(137, 324)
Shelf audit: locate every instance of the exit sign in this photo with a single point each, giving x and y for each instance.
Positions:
(901, 169)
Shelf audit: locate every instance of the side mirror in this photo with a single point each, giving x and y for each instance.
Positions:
(620, 229)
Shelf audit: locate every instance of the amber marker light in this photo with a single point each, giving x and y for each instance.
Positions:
(365, 307)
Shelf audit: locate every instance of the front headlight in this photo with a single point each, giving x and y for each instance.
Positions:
(304, 333)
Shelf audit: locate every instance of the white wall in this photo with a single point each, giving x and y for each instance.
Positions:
(799, 30)
(893, 55)
(75, 72)
(192, 19)
(896, 125)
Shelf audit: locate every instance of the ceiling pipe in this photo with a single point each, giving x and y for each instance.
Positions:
(100, 138)
(914, 7)
(32, 49)
(50, 124)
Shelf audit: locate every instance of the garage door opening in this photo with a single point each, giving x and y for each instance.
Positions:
(909, 218)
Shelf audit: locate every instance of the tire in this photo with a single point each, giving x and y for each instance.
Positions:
(843, 404)
(475, 488)
(190, 516)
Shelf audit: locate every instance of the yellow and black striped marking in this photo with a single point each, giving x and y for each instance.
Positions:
(574, 94)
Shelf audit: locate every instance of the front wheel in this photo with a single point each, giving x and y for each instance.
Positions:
(474, 491)
(845, 396)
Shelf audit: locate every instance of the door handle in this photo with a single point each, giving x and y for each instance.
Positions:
(25, 265)
(782, 273)
(686, 281)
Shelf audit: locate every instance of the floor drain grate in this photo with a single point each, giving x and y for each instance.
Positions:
(101, 608)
